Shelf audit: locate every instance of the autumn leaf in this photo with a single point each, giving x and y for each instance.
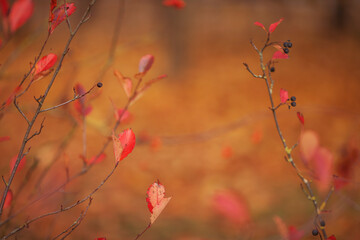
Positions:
(60, 15)
(332, 237)
(53, 4)
(96, 159)
(301, 118)
(20, 12)
(308, 144)
(156, 200)
(8, 199)
(178, 4)
(4, 6)
(124, 144)
(279, 55)
(125, 82)
(232, 207)
(45, 63)
(123, 116)
(145, 63)
(284, 95)
(273, 26)
(260, 25)
(5, 138)
(21, 164)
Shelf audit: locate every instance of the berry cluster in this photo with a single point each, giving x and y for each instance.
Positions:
(287, 45)
(293, 101)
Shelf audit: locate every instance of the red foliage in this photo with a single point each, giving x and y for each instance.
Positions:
(124, 144)
(279, 55)
(45, 63)
(332, 237)
(145, 63)
(273, 26)
(53, 4)
(126, 117)
(178, 4)
(301, 118)
(125, 82)
(20, 12)
(4, 6)
(59, 15)
(284, 95)
(232, 207)
(260, 25)
(156, 200)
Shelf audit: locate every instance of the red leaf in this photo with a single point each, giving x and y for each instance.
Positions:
(125, 82)
(4, 5)
(274, 25)
(260, 25)
(53, 4)
(232, 207)
(126, 117)
(101, 238)
(21, 164)
(280, 55)
(301, 117)
(284, 95)
(20, 12)
(178, 4)
(294, 233)
(5, 138)
(145, 63)
(60, 15)
(95, 159)
(323, 166)
(45, 63)
(308, 143)
(332, 237)
(124, 144)
(8, 199)
(156, 200)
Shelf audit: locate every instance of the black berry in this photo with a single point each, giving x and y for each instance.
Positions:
(293, 98)
(272, 69)
(286, 50)
(286, 44)
(315, 232)
(99, 84)
(289, 44)
(322, 223)
(293, 104)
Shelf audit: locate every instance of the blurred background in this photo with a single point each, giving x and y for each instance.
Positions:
(205, 131)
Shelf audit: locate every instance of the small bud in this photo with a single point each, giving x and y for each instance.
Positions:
(293, 98)
(286, 50)
(272, 69)
(99, 84)
(293, 104)
(322, 223)
(315, 232)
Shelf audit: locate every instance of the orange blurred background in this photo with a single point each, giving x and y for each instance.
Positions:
(204, 130)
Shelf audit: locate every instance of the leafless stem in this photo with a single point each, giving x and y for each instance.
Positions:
(140, 234)
(20, 111)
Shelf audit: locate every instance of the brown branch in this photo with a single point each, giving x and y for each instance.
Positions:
(140, 234)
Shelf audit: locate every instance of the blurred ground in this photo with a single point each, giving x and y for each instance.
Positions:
(209, 102)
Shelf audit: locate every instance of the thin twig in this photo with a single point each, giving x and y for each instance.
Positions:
(140, 234)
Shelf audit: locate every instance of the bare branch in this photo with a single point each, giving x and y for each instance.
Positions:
(20, 111)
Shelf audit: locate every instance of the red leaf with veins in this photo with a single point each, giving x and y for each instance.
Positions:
(8, 199)
(260, 25)
(21, 164)
(280, 55)
(20, 12)
(145, 63)
(124, 144)
(284, 95)
(60, 15)
(273, 26)
(178, 4)
(156, 200)
(45, 63)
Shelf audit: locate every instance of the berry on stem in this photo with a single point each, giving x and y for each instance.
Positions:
(293, 98)
(285, 44)
(322, 223)
(272, 69)
(315, 232)
(293, 104)
(286, 50)
(99, 84)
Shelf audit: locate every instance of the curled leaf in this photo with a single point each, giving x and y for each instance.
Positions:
(45, 63)
(301, 117)
(280, 55)
(260, 25)
(20, 12)
(273, 26)
(59, 15)
(53, 4)
(145, 63)
(178, 4)
(124, 144)
(284, 95)
(156, 200)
